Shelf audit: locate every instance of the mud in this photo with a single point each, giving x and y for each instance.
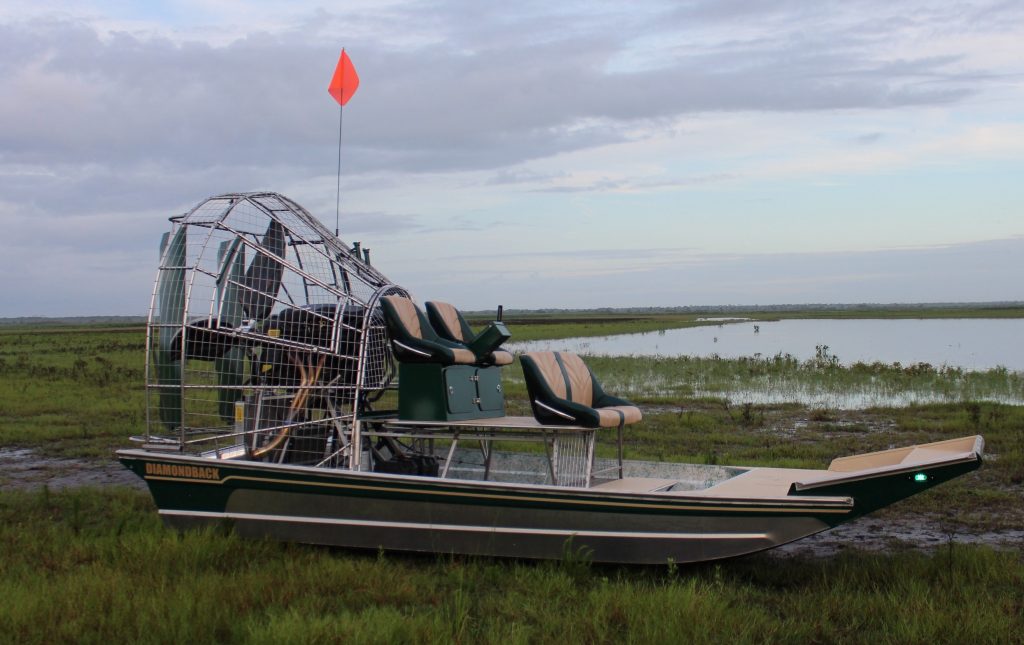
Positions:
(27, 469)
(891, 535)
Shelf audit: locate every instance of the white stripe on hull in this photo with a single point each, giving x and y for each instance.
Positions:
(629, 535)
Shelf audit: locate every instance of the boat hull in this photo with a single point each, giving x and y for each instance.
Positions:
(371, 510)
(756, 510)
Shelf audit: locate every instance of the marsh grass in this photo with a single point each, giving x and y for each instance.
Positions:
(83, 386)
(75, 393)
(819, 381)
(783, 378)
(97, 566)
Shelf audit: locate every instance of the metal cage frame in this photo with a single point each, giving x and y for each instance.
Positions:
(265, 337)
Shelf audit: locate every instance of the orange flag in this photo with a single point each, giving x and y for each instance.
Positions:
(345, 81)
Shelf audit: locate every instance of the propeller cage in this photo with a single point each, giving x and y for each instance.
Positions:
(265, 334)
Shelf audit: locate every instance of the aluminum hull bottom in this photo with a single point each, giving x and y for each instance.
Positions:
(633, 547)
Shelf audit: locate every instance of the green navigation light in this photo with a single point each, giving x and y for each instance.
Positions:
(920, 477)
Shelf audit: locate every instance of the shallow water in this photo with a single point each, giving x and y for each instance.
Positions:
(969, 343)
(852, 400)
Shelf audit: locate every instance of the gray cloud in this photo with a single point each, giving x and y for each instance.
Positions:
(869, 137)
(486, 94)
(606, 184)
(377, 222)
(103, 129)
(508, 176)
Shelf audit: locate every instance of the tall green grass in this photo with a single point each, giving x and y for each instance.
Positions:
(82, 386)
(96, 566)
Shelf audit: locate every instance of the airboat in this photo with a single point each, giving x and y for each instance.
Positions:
(294, 392)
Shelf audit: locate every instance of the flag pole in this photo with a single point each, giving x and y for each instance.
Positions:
(343, 86)
(337, 197)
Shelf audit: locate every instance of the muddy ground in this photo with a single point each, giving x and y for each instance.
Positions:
(27, 469)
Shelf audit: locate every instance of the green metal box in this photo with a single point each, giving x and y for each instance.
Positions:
(432, 392)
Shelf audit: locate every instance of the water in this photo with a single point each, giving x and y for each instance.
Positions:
(968, 343)
(854, 398)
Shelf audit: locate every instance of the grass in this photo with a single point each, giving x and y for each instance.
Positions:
(74, 393)
(96, 566)
(69, 388)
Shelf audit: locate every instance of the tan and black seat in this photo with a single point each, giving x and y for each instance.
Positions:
(563, 391)
(449, 323)
(415, 341)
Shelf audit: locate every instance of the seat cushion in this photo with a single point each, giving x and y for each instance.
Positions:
(446, 321)
(566, 374)
(550, 372)
(610, 416)
(463, 357)
(580, 382)
(407, 315)
(501, 357)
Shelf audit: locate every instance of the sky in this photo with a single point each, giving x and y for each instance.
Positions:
(530, 154)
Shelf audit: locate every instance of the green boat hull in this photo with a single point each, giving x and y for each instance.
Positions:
(429, 514)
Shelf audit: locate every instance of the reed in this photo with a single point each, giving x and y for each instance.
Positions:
(782, 378)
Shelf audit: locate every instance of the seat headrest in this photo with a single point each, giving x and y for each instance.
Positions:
(449, 317)
(407, 313)
(566, 374)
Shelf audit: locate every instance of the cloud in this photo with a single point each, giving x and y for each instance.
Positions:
(605, 184)
(498, 94)
(358, 223)
(511, 176)
(869, 137)
(116, 117)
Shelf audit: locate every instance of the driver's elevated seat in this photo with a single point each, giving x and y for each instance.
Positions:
(415, 341)
(440, 379)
